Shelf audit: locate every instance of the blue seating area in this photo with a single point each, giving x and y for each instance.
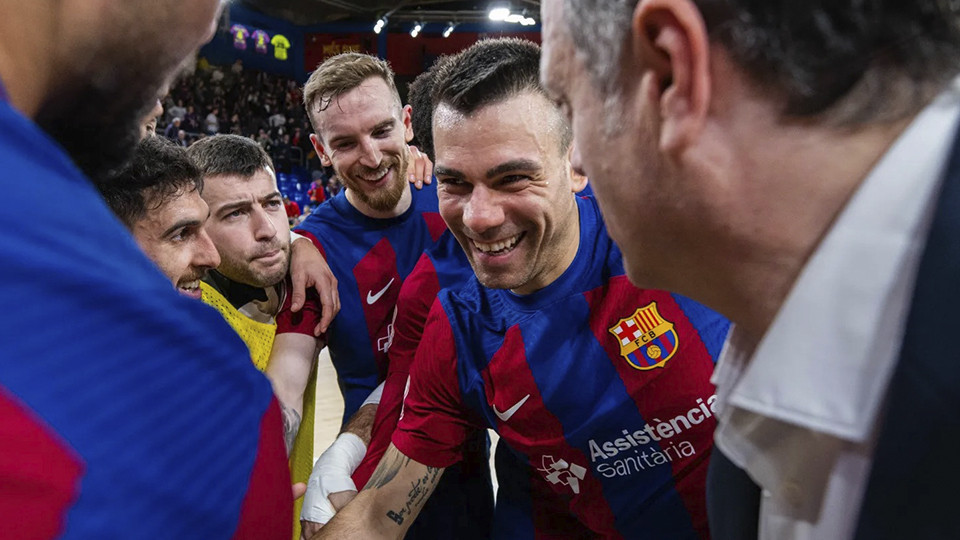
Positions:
(295, 185)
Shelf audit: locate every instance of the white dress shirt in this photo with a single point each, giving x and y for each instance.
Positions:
(801, 413)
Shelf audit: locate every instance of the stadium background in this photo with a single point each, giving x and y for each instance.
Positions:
(315, 30)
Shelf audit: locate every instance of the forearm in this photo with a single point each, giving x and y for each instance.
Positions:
(389, 503)
(289, 369)
(291, 425)
(361, 423)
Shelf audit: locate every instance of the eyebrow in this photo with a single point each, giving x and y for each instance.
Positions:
(527, 165)
(182, 224)
(236, 205)
(382, 125)
(513, 165)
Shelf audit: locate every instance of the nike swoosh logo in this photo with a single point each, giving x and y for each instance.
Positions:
(371, 298)
(504, 416)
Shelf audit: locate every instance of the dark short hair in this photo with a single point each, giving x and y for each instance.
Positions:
(229, 154)
(158, 172)
(812, 53)
(420, 99)
(492, 71)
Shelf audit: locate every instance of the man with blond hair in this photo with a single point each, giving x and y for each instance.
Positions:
(372, 234)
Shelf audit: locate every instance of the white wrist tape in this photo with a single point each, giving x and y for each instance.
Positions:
(331, 474)
(374, 396)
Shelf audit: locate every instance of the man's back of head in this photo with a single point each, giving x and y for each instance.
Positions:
(876, 60)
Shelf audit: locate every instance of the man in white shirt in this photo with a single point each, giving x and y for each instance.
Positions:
(791, 166)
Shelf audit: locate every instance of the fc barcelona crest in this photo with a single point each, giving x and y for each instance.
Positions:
(646, 339)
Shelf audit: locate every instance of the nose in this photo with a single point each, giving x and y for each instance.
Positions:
(263, 228)
(483, 211)
(206, 255)
(370, 154)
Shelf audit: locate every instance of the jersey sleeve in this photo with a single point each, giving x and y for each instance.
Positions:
(434, 422)
(413, 306)
(303, 321)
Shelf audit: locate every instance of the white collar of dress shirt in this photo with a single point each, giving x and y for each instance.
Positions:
(826, 360)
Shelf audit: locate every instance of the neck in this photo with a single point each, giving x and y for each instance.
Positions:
(402, 206)
(776, 209)
(25, 61)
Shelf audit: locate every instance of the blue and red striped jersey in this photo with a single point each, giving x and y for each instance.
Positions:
(462, 504)
(601, 388)
(370, 258)
(126, 410)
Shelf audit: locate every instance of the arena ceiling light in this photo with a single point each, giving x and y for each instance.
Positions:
(499, 13)
(381, 24)
(449, 30)
(417, 27)
(503, 14)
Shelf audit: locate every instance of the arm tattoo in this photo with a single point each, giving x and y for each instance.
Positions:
(291, 425)
(417, 496)
(387, 470)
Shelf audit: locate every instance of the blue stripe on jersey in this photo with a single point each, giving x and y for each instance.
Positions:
(513, 513)
(591, 390)
(377, 250)
(611, 409)
(713, 328)
(153, 391)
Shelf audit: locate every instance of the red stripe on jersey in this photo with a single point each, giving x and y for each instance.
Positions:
(434, 423)
(435, 224)
(268, 505)
(378, 283)
(418, 293)
(668, 392)
(508, 381)
(39, 474)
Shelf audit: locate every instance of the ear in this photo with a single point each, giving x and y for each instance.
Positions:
(407, 123)
(670, 40)
(578, 179)
(321, 153)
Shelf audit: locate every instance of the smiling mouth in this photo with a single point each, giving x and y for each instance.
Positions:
(376, 176)
(501, 247)
(189, 288)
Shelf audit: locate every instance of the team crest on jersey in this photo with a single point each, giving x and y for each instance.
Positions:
(646, 339)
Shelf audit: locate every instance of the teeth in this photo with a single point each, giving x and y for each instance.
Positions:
(190, 285)
(377, 175)
(497, 246)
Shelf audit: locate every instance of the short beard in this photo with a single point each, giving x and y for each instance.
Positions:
(101, 133)
(387, 198)
(242, 273)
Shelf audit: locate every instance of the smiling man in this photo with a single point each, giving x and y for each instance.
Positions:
(157, 196)
(599, 389)
(374, 231)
